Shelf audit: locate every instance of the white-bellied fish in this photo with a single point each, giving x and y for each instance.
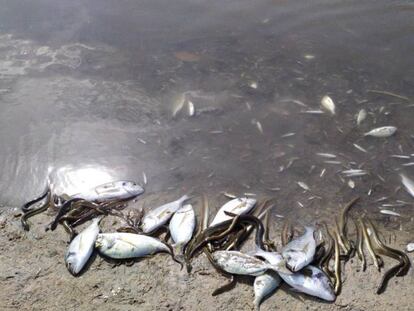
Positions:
(384, 131)
(235, 262)
(122, 189)
(362, 114)
(238, 206)
(328, 104)
(160, 215)
(299, 252)
(410, 247)
(182, 226)
(81, 247)
(408, 184)
(264, 285)
(120, 245)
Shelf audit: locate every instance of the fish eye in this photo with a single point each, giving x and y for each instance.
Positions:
(124, 183)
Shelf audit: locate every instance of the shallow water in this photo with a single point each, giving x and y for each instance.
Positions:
(88, 92)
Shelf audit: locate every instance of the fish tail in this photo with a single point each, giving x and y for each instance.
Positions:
(184, 198)
(256, 303)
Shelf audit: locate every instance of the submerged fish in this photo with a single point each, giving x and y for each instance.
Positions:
(410, 247)
(299, 252)
(122, 189)
(81, 248)
(362, 114)
(264, 285)
(120, 245)
(182, 226)
(385, 131)
(235, 262)
(408, 184)
(160, 215)
(238, 206)
(328, 104)
(388, 212)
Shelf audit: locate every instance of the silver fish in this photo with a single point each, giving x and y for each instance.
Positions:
(410, 247)
(408, 184)
(362, 114)
(328, 104)
(315, 283)
(122, 189)
(388, 212)
(384, 131)
(354, 172)
(264, 285)
(120, 245)
(81, 247)
(160, 215)
(299, 252)
(237, 206)
(182, 226)
(235, 262)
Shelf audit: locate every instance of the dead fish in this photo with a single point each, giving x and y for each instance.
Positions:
(410, 247)
(178, 104)
(351, 184)
(328, 104)
(264, 285)
(408, 184)
(122, 189)
(388, 212)
(120, 245)
(384, 131)
(362, 114)
(238, 206)
(354, 172)
(81, 247)
(235, 262)
(312, 112)
(303, 185)
(360, 148)
(160, 215)
(312, 281)
(299, 252)
(182, 226)
(191, 108)
(326, 155)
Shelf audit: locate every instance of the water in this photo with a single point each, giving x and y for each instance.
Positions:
(88, 90)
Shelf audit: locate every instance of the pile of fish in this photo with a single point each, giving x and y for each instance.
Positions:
(309, 263)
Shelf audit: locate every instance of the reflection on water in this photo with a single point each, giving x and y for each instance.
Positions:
(200, 96)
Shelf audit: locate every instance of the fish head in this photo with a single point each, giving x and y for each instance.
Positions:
(73, 263)
(104, 242)
(295, 260)
(323, 285)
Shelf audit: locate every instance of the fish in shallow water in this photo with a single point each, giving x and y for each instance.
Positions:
(328, 104)
(238, 206)
(408, 184)
(235, 262)
(81, 247)
(264, 285)
(120, 245)
(182, 226)
(299, 252)
(160, 215)
(384, 131)
(362, 114)
(122, 189)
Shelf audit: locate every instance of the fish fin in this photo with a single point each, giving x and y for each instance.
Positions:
(184, 198)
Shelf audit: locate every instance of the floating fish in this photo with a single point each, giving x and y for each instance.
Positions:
(326, 155)
(160, 215)
(122, 189)
(312, 112)
(354, 172)
(191, 108)
(303, 185)
(81, 247)
(238, 206)
(235, 262)
(328, 104)
(408, 184)
(120, 245)
(351, 184)
(388, 212)
(299, 252)
(384, 131)
(182, 226)
(360, 148)
(264, 285)
(362, 114)
(410, 247)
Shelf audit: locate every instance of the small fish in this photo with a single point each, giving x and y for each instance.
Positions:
(235, 262)
(354, 172)
(326, 155)
(81, 247)
(333, 162)
(264, 285)
(182, 226)
(160, 215)
(299, 252)
(191, 108)
(384, 131)
(362, 114)
(410, 247)
(388, 212)
(408, 164)
(288, 135)
(259, 127)
(238, 206)
(312, 112)
(360, 148)
(178, 104)
(328, 104)
(351, 184)
(144, 178)
(312, 281)
(122, 189)
(303, 185)
(408, 184)
(398, 156)
(120, 245)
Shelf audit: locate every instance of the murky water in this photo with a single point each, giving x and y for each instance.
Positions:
(93, 91)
